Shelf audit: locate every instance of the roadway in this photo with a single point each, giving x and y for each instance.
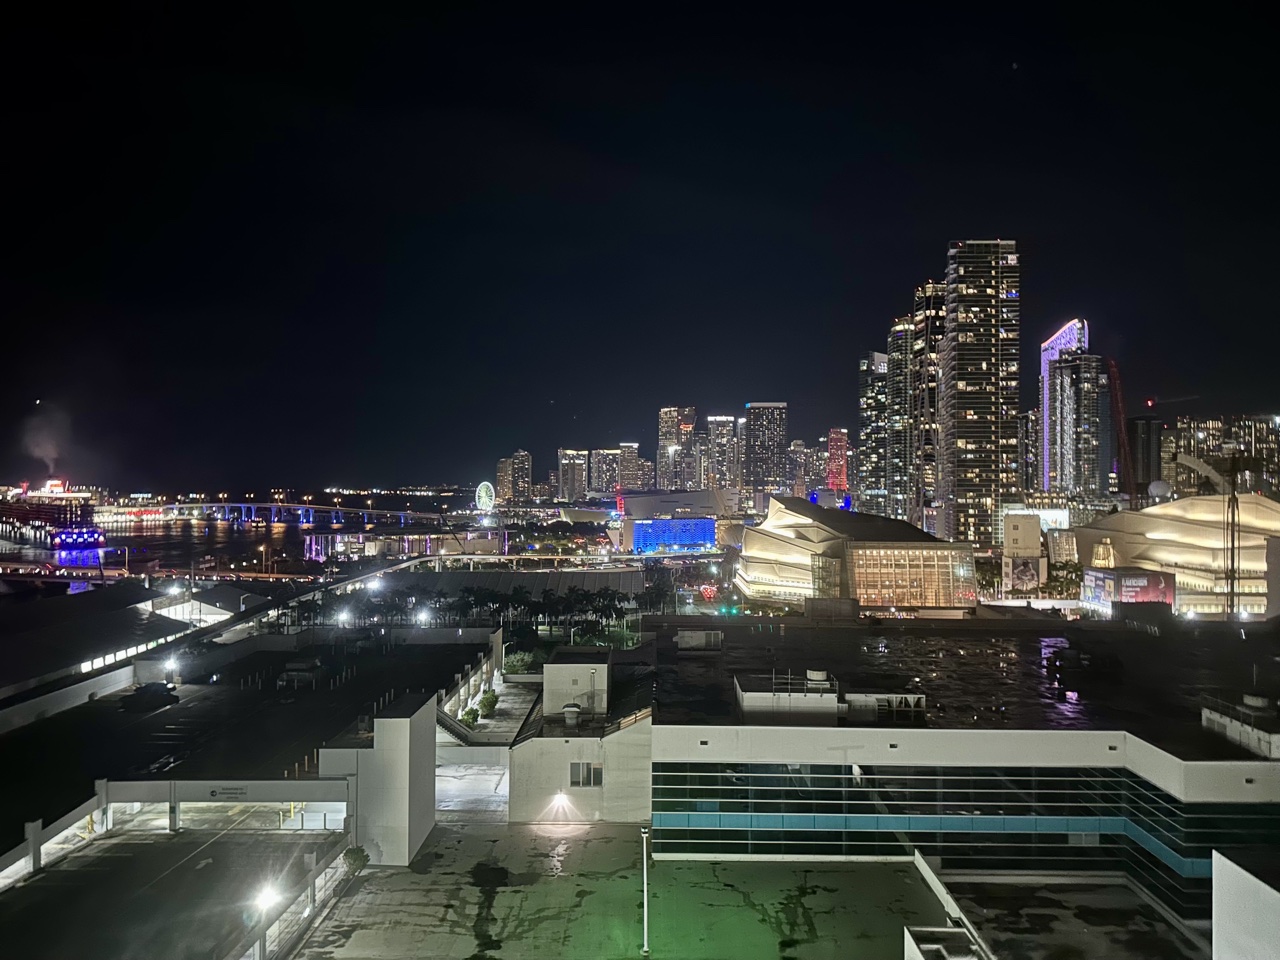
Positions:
(130, 895)
(215, 731)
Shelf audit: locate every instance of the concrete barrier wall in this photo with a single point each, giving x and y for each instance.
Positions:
(37, 708)
(230, 791)
(409, 635)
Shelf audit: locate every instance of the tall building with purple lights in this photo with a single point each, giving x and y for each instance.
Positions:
(1072, 337)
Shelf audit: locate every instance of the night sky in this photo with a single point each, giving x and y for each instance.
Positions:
(247, 249)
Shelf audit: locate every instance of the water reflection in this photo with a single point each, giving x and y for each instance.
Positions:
(185, 543)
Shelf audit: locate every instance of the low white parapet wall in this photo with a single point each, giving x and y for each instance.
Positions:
(73, 695)
(1262, 742)
(229, 791)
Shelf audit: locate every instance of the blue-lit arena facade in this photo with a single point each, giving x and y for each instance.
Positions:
(976, 818)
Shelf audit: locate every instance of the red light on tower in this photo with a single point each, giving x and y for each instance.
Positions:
(1151, 402)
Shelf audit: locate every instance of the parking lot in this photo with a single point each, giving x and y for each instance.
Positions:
(189, 896)
(217, 730)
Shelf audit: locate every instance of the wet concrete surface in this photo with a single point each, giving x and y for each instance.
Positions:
(1109, 681)
(188, 896)
(471, 793)
(484, 892)
(1078, 921)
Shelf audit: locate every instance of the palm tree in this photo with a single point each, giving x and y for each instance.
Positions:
(552, 606)
(465, 602)
(519, 600)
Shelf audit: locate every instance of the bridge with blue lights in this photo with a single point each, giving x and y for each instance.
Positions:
(247, 511)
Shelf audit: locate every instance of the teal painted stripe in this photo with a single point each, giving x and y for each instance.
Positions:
(1185, 866)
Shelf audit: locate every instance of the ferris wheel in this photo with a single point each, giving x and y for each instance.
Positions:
(484, 497)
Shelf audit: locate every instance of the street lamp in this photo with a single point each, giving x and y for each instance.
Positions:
(267, 898)
(644, 869)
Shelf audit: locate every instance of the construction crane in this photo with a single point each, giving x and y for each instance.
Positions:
(1223, 471)
(1152, 401)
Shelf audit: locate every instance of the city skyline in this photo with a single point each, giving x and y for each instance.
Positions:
(729, 198)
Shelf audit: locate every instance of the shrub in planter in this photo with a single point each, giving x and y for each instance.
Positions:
(469, 718)
(488, 703)
(517, 662)
(356, 859)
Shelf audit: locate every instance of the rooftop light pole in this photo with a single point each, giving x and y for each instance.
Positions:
(644, 869)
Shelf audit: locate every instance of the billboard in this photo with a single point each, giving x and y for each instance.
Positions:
(1145, 586)
(1101, 588)
(1024, 574)
(1098, 588)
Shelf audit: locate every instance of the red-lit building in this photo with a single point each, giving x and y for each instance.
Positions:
(838, 459)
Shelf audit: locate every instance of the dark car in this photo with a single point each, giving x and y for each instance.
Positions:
(148, 697)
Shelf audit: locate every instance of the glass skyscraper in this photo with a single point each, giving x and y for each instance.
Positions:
(764, 462)
(978, 389)
(929, 317)
(873, 433)
(898, 480)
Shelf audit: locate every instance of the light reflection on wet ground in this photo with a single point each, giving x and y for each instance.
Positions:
(1077, 921)
(1148, 685)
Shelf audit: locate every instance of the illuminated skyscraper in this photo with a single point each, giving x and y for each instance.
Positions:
(764, 462)
(838, 460)
(929, 317)
(515, 477)
(1072, 337)
(1080, 444)
(675, 434)
(978, 389)
(502, 487)
(1029, 451)
(572, 476)
(721, 434)
(629, 467)
(605, 470)
(899, 493)
(873, 428)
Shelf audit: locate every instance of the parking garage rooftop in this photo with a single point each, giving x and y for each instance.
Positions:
(1149, 686)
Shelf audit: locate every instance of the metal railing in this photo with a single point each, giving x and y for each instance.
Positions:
(452, 726)
(279, 932)
(627, 721)
(532, 725)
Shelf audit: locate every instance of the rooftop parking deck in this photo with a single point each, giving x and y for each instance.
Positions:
(1149, 686)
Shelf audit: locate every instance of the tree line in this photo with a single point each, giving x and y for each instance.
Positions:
(481, 605)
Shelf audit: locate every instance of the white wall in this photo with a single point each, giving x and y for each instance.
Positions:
(422, 776)
(247, 791)
(382, 794)
(540, 771)
(1246, 914)
(873, 745)
(571, 683)
(37, 708)
(1201, 782)
(395, 785)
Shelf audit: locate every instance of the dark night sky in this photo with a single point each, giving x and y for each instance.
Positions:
(296, 249)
